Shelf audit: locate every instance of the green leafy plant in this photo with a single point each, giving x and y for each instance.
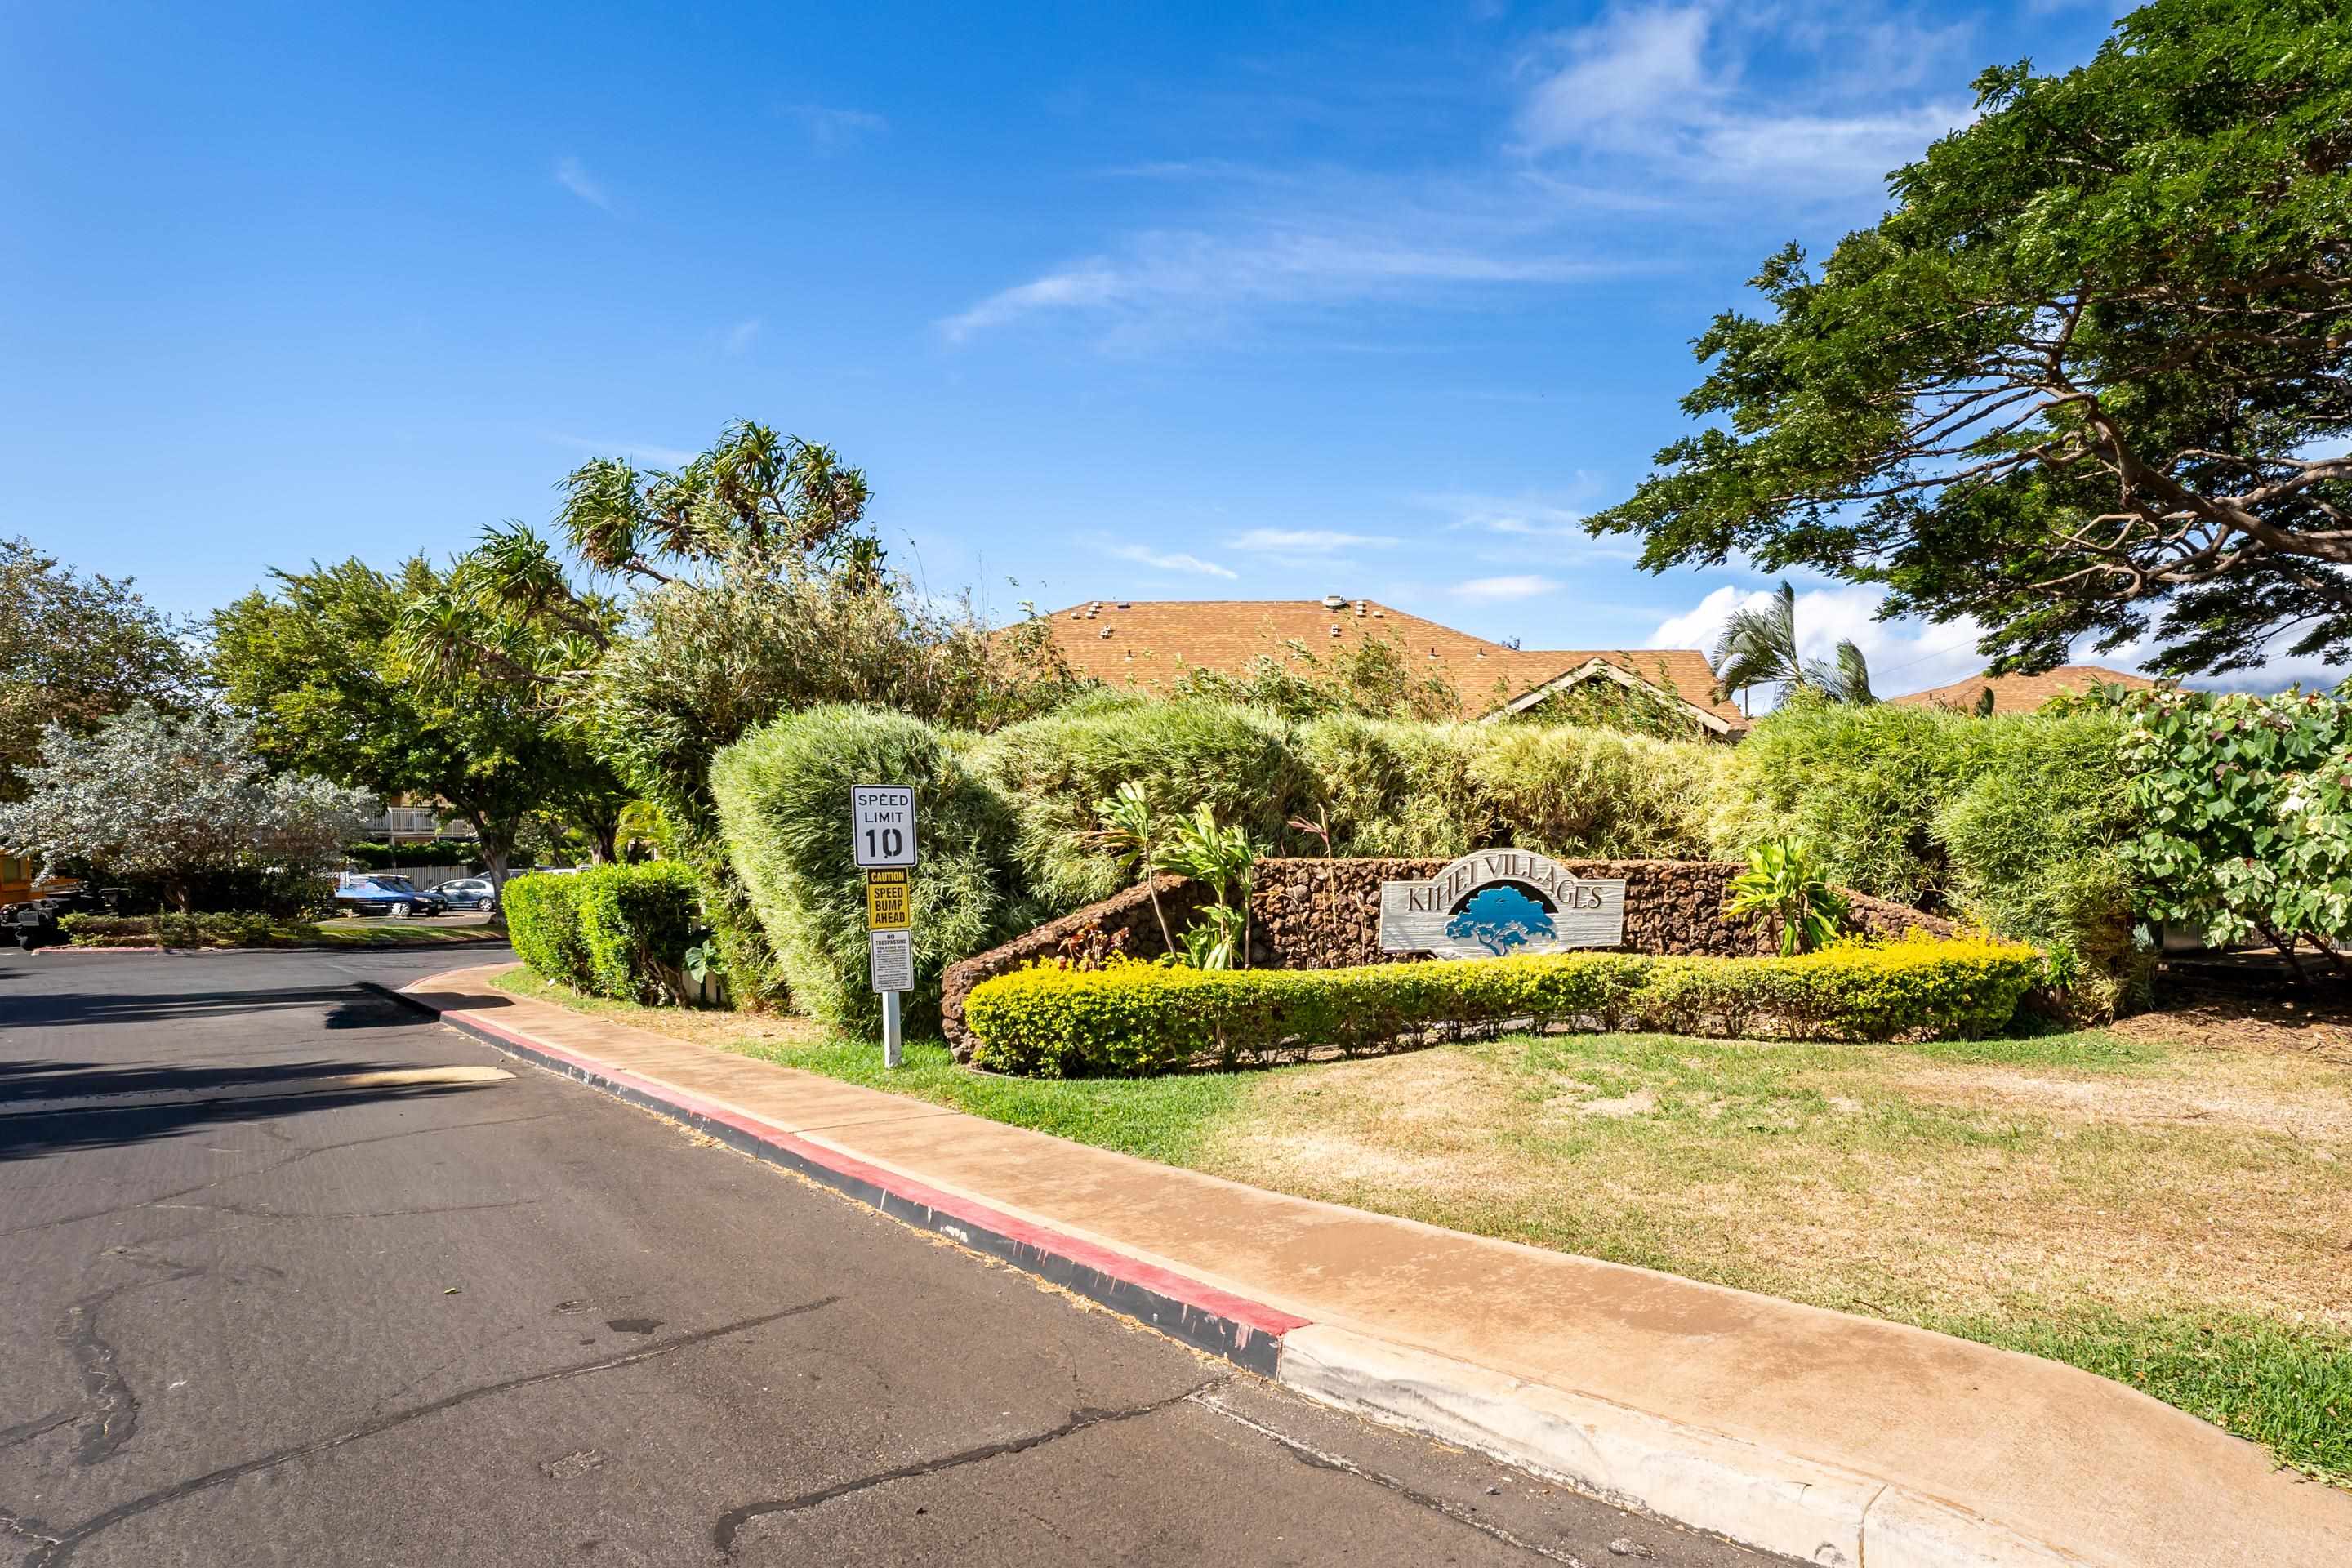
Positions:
(703, 962)
(1221, 857)
(1784, 890)
(1132, 831)
(2246, 805)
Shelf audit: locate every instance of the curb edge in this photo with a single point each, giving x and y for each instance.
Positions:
(1248, 1333)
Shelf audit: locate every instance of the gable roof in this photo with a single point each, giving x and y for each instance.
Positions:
(1152, 644)
(2022, 693)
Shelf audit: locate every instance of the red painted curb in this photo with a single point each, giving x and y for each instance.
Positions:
(1243, 1330)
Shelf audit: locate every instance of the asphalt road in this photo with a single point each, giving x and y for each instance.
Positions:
(289, 1275)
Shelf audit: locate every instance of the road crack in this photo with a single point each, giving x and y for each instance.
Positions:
(1315, 1458)
(730, 1524)
(60, 1549)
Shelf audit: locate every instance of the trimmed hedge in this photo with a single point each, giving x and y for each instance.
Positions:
(543, 924)
(610, 930)
(244, 930)
(784, 799)
(635, 924)
(1129, 1019)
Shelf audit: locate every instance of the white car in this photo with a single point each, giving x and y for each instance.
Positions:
(468, 893)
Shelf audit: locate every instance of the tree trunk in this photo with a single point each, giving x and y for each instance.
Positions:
(2285, 944)
(497, 848)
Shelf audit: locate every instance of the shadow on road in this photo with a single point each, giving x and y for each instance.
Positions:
(216, 1097)
(346, 1008)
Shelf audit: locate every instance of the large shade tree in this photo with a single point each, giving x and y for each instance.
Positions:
(2091, 376)
(322, 666)
(177, 800)
(73, 651)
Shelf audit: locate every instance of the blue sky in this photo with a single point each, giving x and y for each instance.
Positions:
(1165, 302)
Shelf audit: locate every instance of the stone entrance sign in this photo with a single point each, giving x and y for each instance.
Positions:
(1499, 901)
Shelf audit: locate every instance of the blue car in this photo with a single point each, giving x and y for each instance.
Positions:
(375, 894)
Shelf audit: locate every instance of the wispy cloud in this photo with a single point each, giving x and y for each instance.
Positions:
(740, 337)
(1168, 561)
(1604, 146)
(1180, 274)
(573, 176)
(832, 128)
(1495, 589)
(644, 454)
(1306, 541)
(1667, 86)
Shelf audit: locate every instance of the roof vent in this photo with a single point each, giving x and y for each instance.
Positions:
(1335, 602)
(1379, 614)
(1359, 609)
(1127, 603)
(1335, 631)
(1105, 632)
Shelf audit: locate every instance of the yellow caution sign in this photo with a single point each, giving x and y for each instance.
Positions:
(890, 901)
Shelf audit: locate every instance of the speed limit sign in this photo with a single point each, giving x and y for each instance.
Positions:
(882, 825)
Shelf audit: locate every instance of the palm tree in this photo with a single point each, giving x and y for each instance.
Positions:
(1758, 647)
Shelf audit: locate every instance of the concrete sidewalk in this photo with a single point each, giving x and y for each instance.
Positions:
(1833, 1438)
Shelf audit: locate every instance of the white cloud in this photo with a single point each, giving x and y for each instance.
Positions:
(1168, 561)
(1666, 87)
(643, 454)
(1523, 586)
(1305, 542)
(740, 336)
(573, 176)
(831, 128)
(1172, 278)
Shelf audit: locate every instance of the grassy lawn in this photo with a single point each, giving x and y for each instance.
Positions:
(373, 933)
(2150, 1205)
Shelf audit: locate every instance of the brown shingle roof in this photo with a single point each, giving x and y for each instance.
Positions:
(1151, 644)
(2021, 693)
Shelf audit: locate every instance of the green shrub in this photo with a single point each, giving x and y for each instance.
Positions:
(2035, 843)
(1858, 782)
(1049, 1021)
(1395, 788)
(378, 856)
(783, 802)
(1440, 791)
(543, 923)
(240, 929)
(1575, 793)
(635, 922)
(2014, 821)
(1239, 762)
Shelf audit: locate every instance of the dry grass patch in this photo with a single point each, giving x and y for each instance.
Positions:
(1902, 1181)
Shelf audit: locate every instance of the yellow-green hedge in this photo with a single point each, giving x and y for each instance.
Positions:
(1049, 1021)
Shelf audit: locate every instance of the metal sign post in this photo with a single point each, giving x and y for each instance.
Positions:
(882, 841)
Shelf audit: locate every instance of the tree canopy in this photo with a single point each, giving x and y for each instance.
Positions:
(755, 588)
(324, 668)
(74, 651)
(2091, 376)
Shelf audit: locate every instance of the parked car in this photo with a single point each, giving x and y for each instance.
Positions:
(468, 893)
(378, 893)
